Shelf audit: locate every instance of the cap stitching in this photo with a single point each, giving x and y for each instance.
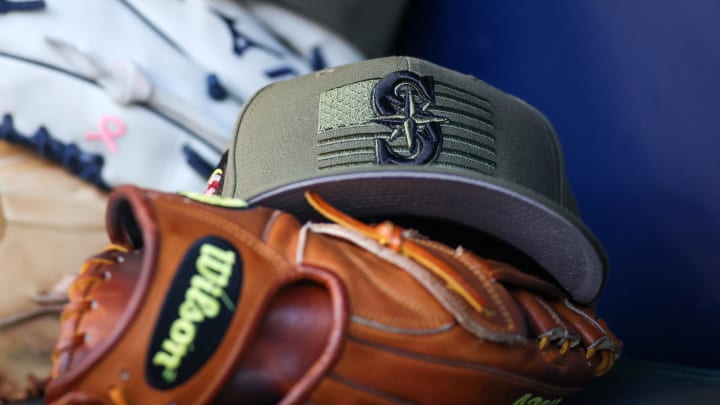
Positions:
(244, 115)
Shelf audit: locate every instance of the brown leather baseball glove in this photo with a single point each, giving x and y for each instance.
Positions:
(208, 302)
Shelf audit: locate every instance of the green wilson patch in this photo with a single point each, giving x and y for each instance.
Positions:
(530, 399)
(196, 313)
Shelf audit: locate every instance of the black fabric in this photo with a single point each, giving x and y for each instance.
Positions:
(370, 25)
(480, 243)
(633, 382)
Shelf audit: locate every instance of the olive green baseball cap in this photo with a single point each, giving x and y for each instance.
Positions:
(403, 136)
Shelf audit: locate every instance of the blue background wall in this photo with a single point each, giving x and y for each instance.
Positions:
(633, 90)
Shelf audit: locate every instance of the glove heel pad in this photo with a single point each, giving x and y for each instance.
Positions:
(293, 332)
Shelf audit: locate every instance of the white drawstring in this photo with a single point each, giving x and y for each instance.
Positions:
(49, 302)
(126, 83)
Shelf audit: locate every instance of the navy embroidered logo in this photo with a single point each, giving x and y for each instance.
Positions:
(401, 101)
(198, 309)
(406, 119)
(241, 42)
(7, 6)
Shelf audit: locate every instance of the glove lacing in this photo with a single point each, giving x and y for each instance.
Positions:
(93, 271)
(391, 236)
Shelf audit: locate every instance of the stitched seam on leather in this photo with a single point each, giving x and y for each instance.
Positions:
(456, 306)
(489, 287)
(234, 229)
(487, 284)
(354, 385)
(419, 310)
(383, 253)
(401, 331)
(585, 316)
(459, 364)
(390, 293)
(79, 316)
(550, 311)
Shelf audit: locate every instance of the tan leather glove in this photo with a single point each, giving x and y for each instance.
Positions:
(50, 222)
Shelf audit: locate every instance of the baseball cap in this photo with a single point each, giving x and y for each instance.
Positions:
(403, 136)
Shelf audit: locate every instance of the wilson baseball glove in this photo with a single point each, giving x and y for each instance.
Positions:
(213, 302)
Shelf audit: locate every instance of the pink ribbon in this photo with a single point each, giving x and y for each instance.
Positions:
(110, 127)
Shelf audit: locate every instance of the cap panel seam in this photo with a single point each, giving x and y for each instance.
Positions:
(558, 173)
(245, 115)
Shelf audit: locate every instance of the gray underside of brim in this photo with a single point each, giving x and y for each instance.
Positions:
(563, 247)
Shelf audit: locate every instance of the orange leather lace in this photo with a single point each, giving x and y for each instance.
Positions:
(387, 234)
(116, 396)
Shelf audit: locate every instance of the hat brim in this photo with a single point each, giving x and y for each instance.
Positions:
(535, 225)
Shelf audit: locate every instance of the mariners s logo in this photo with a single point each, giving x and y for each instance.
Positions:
(401, 101)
